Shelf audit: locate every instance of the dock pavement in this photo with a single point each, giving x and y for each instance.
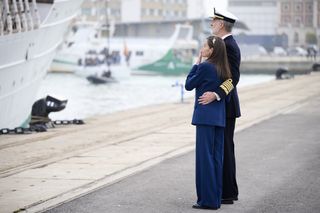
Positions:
(277, 171)
(40, 171)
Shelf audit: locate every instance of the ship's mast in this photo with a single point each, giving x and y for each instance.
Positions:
(108, 31)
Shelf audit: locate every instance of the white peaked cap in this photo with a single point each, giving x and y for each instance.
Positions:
(223, 15)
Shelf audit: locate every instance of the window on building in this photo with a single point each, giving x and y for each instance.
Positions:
(113, 12)
(139, 53)
(297, 21)
(298, 7)
(296, 38)
(285, 20)
(309, 21)
(143, 12)
(285, 7)
(151, 12)
(86, 11)
(309, 7)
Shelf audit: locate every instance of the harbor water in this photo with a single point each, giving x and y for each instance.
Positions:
(87, 100)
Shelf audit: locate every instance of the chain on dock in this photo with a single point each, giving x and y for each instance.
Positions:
(40, 127)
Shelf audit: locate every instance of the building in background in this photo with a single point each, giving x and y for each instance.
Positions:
(261, 17)
(135, 10)
(297, 21)
(153, 10)
(96, 10)
(300, 21)
(284, 23)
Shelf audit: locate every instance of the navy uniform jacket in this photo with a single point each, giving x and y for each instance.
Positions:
(204, 78)
(234, 58)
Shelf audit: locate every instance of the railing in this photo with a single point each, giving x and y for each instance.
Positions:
(18, 16)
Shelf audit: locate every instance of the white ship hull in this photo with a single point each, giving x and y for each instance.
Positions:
(25, 58)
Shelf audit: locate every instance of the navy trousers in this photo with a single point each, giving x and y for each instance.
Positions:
(209, 165)
(230, 186)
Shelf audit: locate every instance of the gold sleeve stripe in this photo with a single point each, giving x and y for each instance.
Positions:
(229, 81)
(224, 89)
(229, 85)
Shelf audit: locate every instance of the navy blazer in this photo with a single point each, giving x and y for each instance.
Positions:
(203, 78)
(234, 58)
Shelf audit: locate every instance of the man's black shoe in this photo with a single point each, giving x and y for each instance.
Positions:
(197, 206)
(231, 198)
(224, 201)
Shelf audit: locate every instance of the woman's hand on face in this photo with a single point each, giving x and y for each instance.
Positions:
(199, 57)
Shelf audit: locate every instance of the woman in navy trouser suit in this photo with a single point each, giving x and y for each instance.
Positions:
(210, 121)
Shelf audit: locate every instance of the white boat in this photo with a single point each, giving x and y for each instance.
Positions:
(86, 55)
(30, 32)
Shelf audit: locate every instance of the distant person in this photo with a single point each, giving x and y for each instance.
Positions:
(309, 54)
(128, 56)
(222, 24)
(209, 121)
(315, 53)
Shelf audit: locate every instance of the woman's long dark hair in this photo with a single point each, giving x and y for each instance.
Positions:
(219, 57)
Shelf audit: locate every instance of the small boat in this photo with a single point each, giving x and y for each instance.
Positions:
(102, 79)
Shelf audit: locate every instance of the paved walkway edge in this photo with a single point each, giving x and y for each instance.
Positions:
(108, 180)
(114, 178)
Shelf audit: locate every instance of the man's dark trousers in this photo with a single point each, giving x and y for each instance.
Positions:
(230, 187)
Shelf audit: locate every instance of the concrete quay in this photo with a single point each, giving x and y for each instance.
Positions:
(277, 171)
(269, 64)
(39, 171)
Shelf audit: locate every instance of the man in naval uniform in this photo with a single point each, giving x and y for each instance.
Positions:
(222, 24)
